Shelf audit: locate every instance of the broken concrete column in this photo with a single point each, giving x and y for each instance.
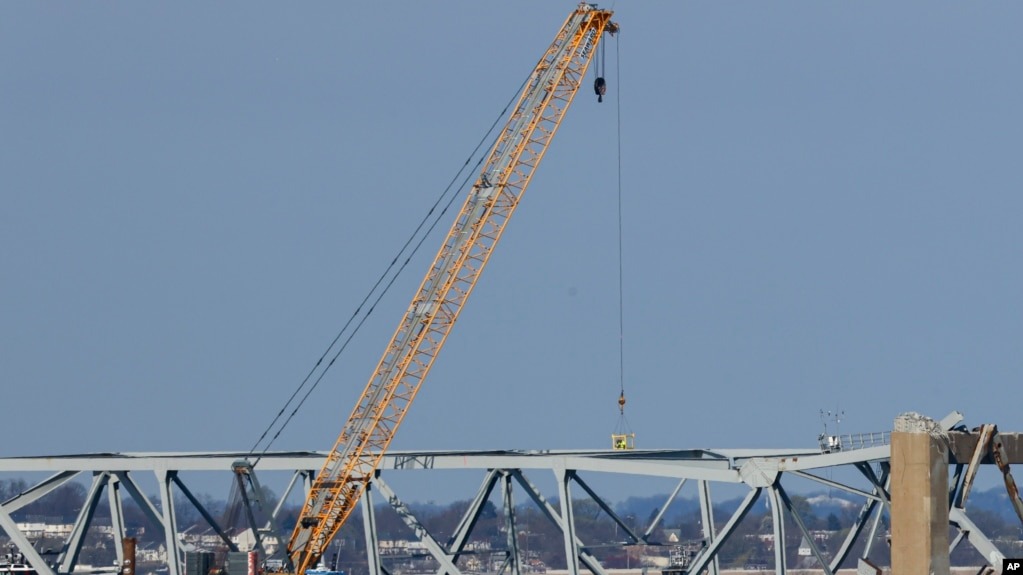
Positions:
(919, 493)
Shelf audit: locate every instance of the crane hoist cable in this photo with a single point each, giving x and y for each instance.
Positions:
(623, 437)
(393, 270)
(621, 272)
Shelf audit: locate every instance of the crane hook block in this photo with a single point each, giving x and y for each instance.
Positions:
(621, 402)
(600, 88)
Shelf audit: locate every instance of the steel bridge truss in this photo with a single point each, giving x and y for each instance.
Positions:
(761, 472)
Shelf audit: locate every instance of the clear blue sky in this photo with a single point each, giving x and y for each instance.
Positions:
(821, 208)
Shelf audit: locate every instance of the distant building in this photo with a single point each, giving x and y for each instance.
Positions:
(804, 548)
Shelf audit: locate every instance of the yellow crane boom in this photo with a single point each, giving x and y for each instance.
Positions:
(452, 275)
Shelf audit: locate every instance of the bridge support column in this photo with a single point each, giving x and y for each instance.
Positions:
(919, 492)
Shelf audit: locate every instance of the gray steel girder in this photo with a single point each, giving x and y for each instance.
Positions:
(369, 529)
(23, 544)
(664, 508)
(835, 485)
(445, 560)
(287, 491)
(778, 522)
(39, 490)
(514, 558)
(547, 509)
(707, 519)
(148, 509)
(564, 478)
(213, 523)
(711, 551)
(458, 539)
(880, 487)
(607, 509)
(976, 537)
(116, 515)
(802, 528)
(763, 467)
(866, 512)
(169, 520)
(247, 505)
(73, 546)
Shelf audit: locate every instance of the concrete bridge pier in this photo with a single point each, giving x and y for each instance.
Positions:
(919, 492)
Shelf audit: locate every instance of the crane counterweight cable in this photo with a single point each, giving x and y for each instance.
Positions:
(389, 271)
(515, 153)
(449, 281)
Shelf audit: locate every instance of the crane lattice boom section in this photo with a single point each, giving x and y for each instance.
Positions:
(436, 306)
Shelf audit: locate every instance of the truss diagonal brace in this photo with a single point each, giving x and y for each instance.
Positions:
(39, 490)
(205, 513)
(707, 518)
(547, 509)
(778, 522)
(607, 509)
(879, 485)
(147, 507)
(170, 522)
(663, 510)
(834, 484)
(461, 535)
(712, 550)
(116, 516)
(975, 536)
(22, 543)
(868, 509)
(572, 546)
(431, 544)
(73, 546)
(802, 527)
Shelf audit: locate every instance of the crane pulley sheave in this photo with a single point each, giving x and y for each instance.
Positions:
(356, 455)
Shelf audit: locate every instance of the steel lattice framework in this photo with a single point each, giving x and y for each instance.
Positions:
(451, 277)
(761, 471)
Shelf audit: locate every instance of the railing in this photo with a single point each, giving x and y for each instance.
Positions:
(831, 443)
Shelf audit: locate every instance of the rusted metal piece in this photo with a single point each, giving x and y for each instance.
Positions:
(128, 566)
(1002, 461)
(986, 432)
